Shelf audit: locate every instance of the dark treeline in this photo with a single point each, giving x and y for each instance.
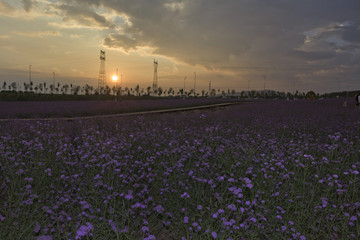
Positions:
(57, 92)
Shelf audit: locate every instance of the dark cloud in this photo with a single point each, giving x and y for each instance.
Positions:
(313, 56)
(209, 32)
(118, 40)
(351, 32)
(28, 5)
(83, 15)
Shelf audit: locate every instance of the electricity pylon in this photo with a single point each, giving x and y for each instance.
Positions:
(102, 72)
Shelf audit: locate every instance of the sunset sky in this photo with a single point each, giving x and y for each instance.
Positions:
(285, 45)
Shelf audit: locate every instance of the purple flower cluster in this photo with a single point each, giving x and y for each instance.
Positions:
(84, 230)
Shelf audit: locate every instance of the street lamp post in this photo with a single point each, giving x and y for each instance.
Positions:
(194, 84)
(30, 74)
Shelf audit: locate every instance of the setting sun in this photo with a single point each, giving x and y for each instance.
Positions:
(114, 78)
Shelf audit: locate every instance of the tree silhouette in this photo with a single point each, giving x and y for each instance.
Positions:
(52, 87)
(310, 95)
(137, 90)
(159, 91)
(148, 90)
(65, 89)
(171, 91)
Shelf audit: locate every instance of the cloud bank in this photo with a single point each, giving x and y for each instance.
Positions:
(232, 33)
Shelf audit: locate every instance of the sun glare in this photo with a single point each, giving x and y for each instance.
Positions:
(114, 78)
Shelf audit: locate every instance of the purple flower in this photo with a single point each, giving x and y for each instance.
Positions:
(150, 237)
(112, 225)
(84, 230)
(185, 195)
(129, 196)
(44, 237)
(48, 171)
(159, 209)
(186, 220)
(214, 235)
(85, 204)
(232, 207)
(324, 202)
(97, 176)
(37, 227)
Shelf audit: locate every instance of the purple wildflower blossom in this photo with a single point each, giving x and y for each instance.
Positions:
(84, 230)
(232, 207)
(185, 195)
(37, 227)
(159, 209)
(150, 237)
(44, 237)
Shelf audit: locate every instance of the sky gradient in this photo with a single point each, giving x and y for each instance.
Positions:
(281, 45)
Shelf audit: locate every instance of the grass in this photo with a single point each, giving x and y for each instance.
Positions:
(242, 172)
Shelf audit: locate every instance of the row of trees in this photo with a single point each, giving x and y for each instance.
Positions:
(46, 88)
(71, 89)
(41, 88)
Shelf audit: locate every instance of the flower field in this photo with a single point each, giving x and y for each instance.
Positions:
(272, 170)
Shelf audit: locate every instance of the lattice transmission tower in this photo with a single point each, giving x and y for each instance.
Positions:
(102, 72)
(155, 81)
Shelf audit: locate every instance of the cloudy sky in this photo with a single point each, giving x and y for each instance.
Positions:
(282, 45)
